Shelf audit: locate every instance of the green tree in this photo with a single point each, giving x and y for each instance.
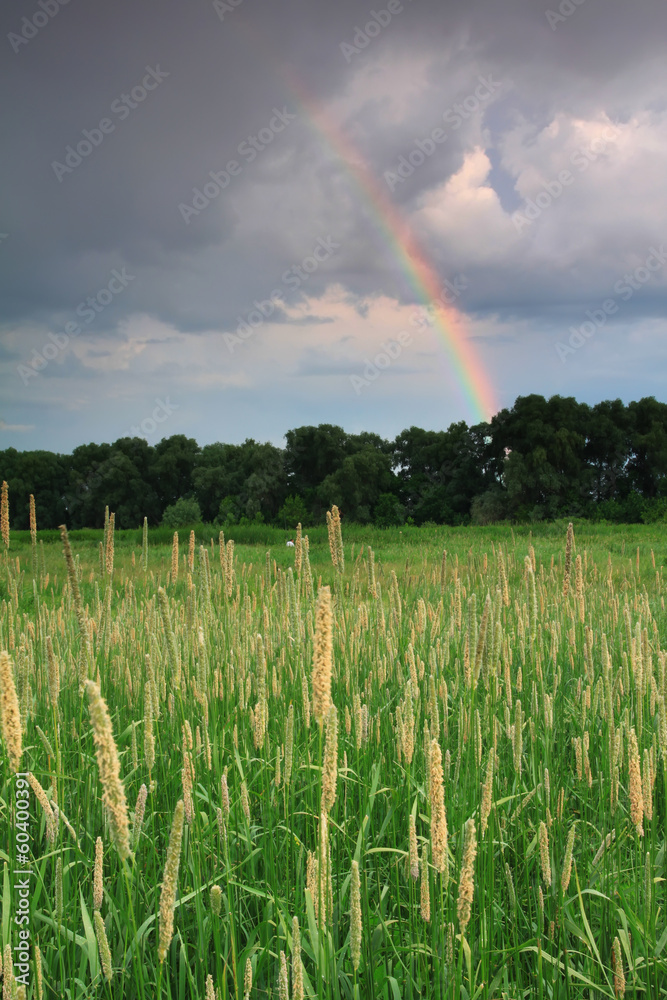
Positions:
(41, 473)
(539, 448)
(312, 454)
(356, 485)
(229, 511)
(172, 465)
(607, 448)
(210, 478)
(292, 512)
(252, 473)
(182, 514)
(389, 511)
(647, 464)
(84, 493)
(440, 472)
(116, 475)
(490, 507)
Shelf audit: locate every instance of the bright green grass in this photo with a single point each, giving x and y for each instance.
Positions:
(511, 948)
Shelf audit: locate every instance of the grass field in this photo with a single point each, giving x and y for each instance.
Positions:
(481, 814)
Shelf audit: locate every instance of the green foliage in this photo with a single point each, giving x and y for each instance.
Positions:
(184, 512)
(540, 459)
(293, 512)
(229, 512)
(655, 511)
(490, 507)
(529, 935)
(389, 511)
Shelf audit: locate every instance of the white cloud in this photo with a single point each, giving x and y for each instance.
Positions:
(16, 428)
(464, 216)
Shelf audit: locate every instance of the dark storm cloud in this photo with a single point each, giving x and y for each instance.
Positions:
(207, 180)
(222, 81)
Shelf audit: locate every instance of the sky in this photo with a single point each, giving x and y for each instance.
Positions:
(230, 218)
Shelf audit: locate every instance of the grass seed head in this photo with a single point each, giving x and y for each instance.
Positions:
(283, 978)
(413, 855)
(425, 893)
(39, 979)
(466, 881)
(567, 863)
(170, 881)
(517, 744)
(49, 815)
(191, 551)
(224, 789)
(174, 558)
(355, 915)
(59, 890)
(568, 558)
(439, 842)
(635, 790)
(247, 978)
(545, 860)
(103, 946)
(245, 801)
(216, 900)
(617, 965)
(297, 965)
(647, 786)
(110, 545)
(10, 714)
(139, 810)
(4, 513)
(109, 768)
(330, 765)
(98, 875)
(487, 793)
(187, 781)
(8, 981)
(322, 655)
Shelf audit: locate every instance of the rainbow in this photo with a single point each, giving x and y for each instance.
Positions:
(421, 275)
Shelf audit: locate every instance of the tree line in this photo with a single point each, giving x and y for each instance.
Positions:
(540, 459)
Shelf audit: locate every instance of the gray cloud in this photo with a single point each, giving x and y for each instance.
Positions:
(226, 78)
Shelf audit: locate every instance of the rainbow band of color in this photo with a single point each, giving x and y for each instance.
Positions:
(422, 277)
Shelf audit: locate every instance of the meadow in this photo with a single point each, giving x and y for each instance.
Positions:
(381, 765)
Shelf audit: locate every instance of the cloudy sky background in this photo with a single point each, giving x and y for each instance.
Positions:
(585, 91)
